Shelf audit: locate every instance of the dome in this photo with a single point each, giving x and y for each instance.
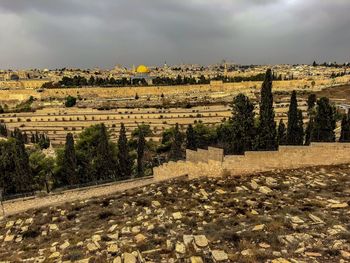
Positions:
(142, 69)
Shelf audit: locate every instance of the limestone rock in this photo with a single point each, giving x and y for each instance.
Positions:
(201, 241)
(135, 230)
(112, 228)
(219, 255)
(254, 185)
(177, 215)
(129, 258)
(313, 254)
(140, 238)
(55, 255)
(92, 247)
(196, 260)
(9, 238)
(296, 220)
(112, 248)
(155, 204)
(316, 219)
(53, 227)
(258, 227)
(264, 245)
(117, 260)
(247, 252)
(280, 260)
(264, 190)
(180, 248)
(187, 239)
(96, 238)
(271, 181)
(9, 224)
(29, 221)
(337, 206)
(64, 245)
(345, 254)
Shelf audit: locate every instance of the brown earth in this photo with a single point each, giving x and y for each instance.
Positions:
(281, 216)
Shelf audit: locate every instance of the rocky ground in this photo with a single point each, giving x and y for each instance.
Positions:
(281, 216)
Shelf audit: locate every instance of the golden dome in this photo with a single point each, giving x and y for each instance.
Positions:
(142, 69)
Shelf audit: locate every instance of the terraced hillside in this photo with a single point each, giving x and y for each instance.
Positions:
(280, 216)
(57, 122)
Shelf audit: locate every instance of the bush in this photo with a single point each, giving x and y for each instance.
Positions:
(70, 101)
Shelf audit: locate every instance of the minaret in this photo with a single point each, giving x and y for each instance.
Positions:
(225, 70)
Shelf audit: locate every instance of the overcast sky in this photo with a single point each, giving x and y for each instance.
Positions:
(103, 33)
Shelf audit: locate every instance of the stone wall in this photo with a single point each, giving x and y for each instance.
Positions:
(23, 84)
(26, 88)
(212, 162)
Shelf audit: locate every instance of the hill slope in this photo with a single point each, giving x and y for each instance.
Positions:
(281, 216)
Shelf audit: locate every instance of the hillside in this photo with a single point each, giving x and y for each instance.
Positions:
(281, 216)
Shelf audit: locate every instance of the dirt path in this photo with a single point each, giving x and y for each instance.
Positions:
(20, 205)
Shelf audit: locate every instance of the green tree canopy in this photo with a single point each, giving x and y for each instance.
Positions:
(345, 129)
(325, 122)
(191, 142)
(243, 130)
(176, 145)
(70, 101)
(266, 132)
(282, 133)
(295, 132)
(124, 158)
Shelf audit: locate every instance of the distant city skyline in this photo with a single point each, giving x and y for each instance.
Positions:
(88, 34)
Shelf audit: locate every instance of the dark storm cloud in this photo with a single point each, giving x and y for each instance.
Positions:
(88, 33)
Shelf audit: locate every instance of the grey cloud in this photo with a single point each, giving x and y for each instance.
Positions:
(87, 33)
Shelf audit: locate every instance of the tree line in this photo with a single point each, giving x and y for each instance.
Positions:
(41, 139)
(246, 132)
(93, 158)
(81, 81)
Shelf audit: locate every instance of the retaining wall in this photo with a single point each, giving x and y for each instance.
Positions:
(212, 162)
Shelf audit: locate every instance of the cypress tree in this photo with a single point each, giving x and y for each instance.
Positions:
(124, 159)
(300, 131)
(3, 130)
(266, 139)
(282, 133)
(141, 143)
(69, 170)
(104, 165)
(191, 138)
(37, 137)
(23, 175)
(345, 129)
(295, 132)
(311, 102)
(308, 131)
(325, 122)
(243, 125)
(176, 145)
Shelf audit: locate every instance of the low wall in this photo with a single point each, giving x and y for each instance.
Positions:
(212, 162)
(21, 90)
